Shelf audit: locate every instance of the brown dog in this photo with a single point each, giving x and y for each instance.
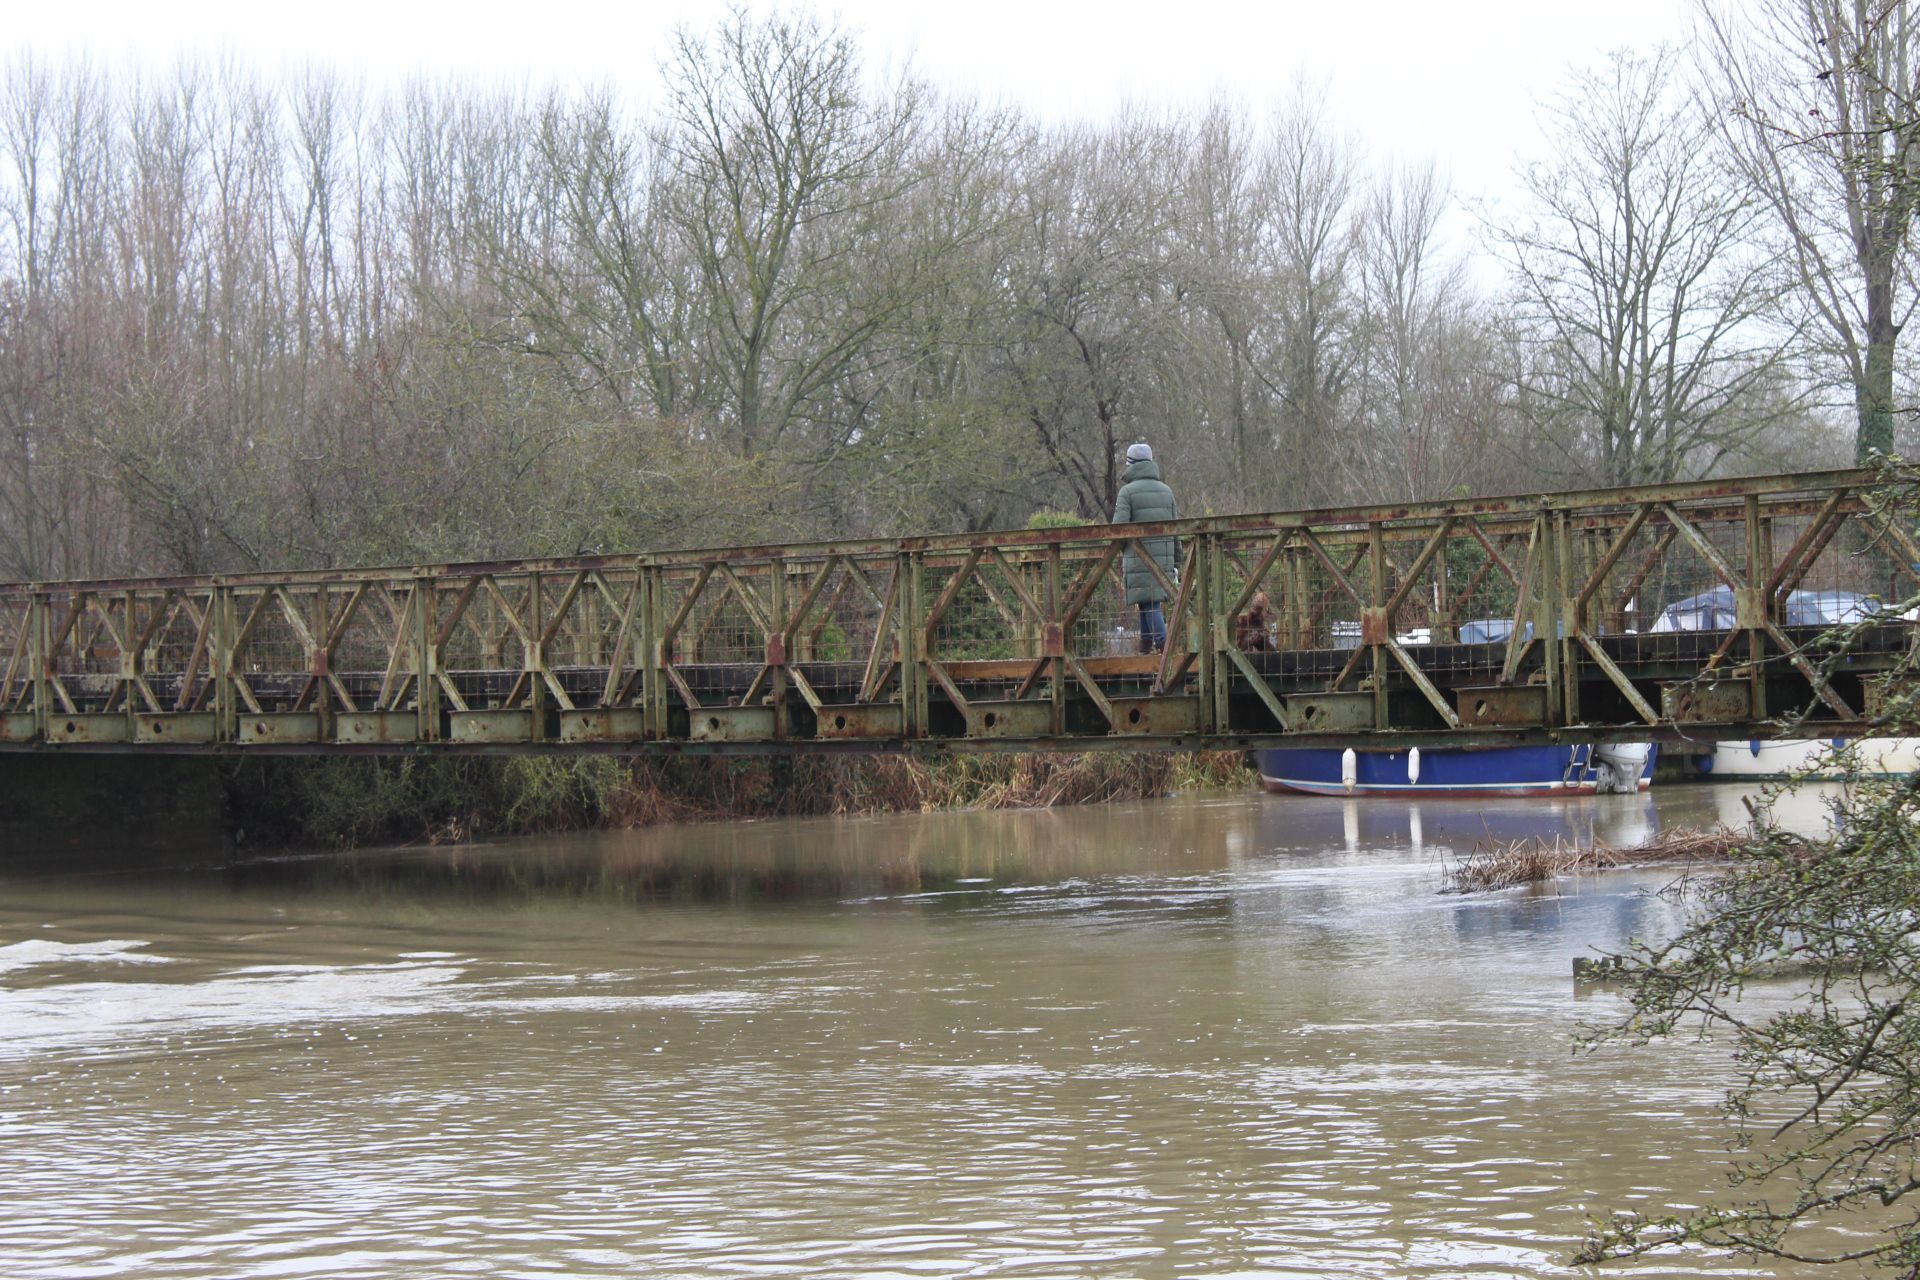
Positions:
(1253, 630)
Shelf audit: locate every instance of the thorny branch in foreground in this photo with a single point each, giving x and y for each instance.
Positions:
(1827, 1093)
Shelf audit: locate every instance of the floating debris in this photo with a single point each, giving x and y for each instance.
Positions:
(1504, 864)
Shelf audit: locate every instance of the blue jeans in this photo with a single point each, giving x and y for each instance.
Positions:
(1153, 629)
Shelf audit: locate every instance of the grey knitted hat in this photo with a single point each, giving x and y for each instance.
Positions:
(1140, 451)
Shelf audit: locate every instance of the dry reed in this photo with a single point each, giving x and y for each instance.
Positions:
(706, 790)
(1503, 864)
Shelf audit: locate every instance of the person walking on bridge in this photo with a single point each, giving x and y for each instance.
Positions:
(1146, 499)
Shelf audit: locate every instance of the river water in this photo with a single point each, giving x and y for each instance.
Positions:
(1229, 1035)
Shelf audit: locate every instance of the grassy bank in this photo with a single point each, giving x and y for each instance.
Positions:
(296, 802)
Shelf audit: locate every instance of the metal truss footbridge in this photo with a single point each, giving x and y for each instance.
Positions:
(1686, 611)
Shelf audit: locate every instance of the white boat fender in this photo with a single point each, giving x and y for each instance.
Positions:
(1413, 765)
(1349, 769)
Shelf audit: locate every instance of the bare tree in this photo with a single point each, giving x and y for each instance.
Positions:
(1098, 299)
(1224, 232)
(1311, 174)
(57, 191)
(924, 424)
(785, 173)
(1818, 100)
(1640, 286)
(1426, 406)
(596, 277)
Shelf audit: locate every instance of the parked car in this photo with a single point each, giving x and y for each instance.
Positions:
(1794, 757)
(1714, 610)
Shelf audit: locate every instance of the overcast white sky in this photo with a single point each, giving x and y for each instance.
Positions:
(1451, 79)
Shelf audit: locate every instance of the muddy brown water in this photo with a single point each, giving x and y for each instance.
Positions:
(1208, 1036)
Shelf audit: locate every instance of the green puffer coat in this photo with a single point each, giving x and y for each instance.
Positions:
(1145, 497)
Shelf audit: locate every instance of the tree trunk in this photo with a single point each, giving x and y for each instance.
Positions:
(1874, 396)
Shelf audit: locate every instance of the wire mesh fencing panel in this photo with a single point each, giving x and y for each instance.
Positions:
(177, 650)
(19, 681)
(853, 608)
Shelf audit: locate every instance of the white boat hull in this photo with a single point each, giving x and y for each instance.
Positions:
(1824, 758)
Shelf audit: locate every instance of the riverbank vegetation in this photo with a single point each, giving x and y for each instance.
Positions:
(352, 801)
(1504, 864)
(1803, 960)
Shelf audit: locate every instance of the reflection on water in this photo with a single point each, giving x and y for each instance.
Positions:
(1222, 1036)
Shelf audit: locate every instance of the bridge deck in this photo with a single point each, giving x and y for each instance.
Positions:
(1358, 627)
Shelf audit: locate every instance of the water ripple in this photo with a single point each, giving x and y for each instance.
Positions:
(1228, 1061)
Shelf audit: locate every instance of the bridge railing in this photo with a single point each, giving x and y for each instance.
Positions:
(1648, 607)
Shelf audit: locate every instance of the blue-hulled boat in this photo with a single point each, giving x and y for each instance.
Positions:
(1582, 769)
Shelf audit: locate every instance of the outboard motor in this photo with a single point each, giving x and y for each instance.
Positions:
(1618, 766)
